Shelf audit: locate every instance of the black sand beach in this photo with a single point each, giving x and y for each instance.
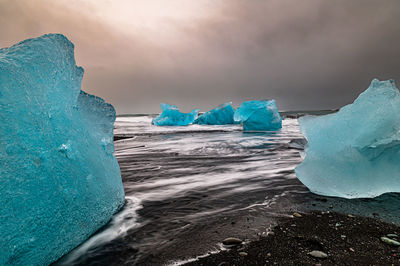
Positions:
(345, 239)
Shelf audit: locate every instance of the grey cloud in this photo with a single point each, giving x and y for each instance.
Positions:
(309, 54)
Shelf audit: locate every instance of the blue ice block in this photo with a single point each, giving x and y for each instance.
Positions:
(259, 115)
(222, 115)
(171, 116)
(59, 179)
(354, 153)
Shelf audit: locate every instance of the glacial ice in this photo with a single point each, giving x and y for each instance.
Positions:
(354, 153)
(222, 115)
(259, 115)
(59, 179)
(171, 116)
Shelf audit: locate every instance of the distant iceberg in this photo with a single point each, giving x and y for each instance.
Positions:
(259, 115)
(59, 179)
(222, 115)
(354, 153)
(171, 116)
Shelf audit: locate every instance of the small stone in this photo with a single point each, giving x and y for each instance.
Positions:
(343, 236)
(338, 224)
(390, 241)
(269, 254)
(270, 234)
(331, 207)
(297, 215)
(232, 241)
(351, 216)
(351, 249)
(243, 254)
(318, 254)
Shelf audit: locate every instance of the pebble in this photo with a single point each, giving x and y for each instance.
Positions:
(243, 254)
(268, 254)
(297, 215)
(232, 241)
(390, 241)
(351, 216)
(318, 254)
(351, 249)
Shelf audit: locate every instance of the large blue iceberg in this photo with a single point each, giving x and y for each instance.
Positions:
(222, 115)
(355, 152)
(171, 116)
(59, 179)
(259, 115)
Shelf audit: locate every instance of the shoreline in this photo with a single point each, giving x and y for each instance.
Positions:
(345, 239)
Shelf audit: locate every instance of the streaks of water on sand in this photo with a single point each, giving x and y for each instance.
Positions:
(187, 178)
(119, 226)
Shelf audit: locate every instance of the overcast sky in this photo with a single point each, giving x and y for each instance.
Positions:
(306, 54)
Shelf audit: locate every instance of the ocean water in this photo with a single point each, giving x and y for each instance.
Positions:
(188, 188)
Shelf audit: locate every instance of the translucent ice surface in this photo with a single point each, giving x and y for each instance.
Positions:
(355, 152)
(222, 115)
(259, 115)
(171, 116)
(59, 179)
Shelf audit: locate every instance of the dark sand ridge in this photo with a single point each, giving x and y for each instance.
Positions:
(345, 239)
